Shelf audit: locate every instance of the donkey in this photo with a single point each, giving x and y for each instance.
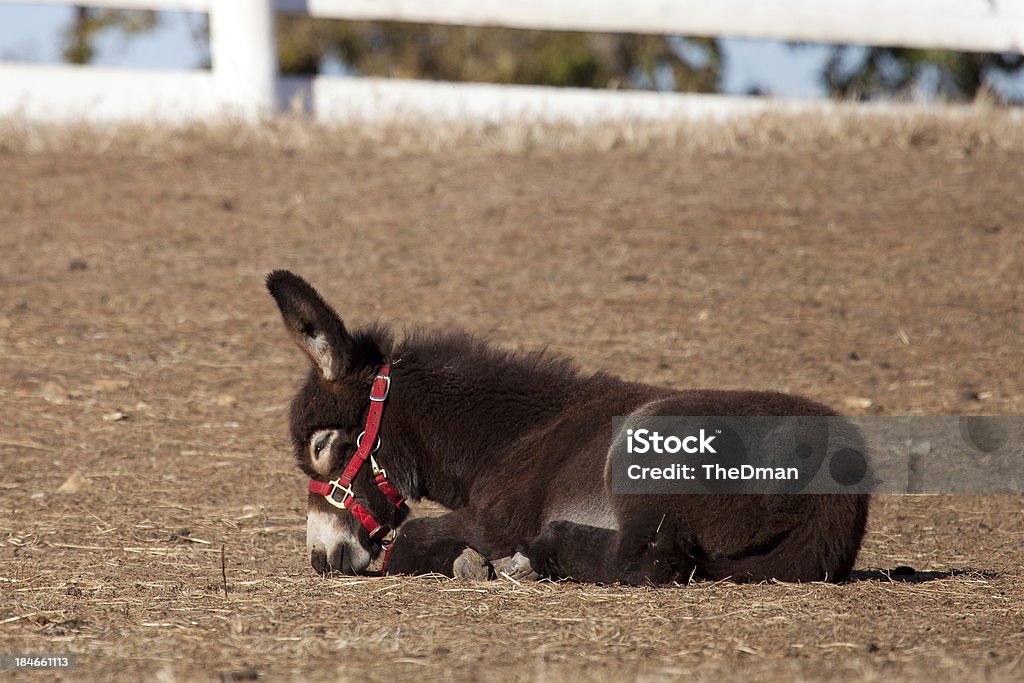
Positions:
(516, 445)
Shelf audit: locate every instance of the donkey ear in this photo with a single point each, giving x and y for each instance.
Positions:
(314, 325)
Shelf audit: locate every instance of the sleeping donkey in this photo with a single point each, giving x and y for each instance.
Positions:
(517, 446)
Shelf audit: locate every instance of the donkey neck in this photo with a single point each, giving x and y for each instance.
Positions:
(455, 413)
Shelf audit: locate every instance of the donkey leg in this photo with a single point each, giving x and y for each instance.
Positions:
(566, 550)
(649, 548)
(439, 545)
(653, 547)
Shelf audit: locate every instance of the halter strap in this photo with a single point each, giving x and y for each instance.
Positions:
(366, 444)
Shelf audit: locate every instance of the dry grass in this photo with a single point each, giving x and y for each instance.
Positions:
(851, 126)
(841, 258)
(160, 609)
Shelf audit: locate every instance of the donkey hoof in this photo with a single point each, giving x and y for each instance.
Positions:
(516, 567)
(471, 565)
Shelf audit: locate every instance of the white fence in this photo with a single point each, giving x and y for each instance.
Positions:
(244, 80)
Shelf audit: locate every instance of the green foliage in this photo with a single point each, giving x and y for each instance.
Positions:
(80, 36)
(496, 55)
(897, 72)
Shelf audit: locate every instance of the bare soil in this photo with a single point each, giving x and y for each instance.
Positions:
(144, 369)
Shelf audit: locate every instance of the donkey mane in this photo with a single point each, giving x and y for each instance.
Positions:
(472, 359)
(475, 357)
(372, 344)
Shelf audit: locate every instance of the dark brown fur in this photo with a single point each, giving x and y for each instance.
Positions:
(508, 441)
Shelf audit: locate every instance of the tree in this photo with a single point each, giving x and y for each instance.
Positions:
(80, 36)
(497, 55)
(899, 72)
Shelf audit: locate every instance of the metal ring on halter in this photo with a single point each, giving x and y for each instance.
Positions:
(359, 441)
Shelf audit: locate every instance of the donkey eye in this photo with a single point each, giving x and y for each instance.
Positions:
(320, 440)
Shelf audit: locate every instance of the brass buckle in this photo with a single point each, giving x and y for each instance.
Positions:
(337, 486)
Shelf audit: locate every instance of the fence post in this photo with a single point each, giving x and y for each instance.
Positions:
(243, 52)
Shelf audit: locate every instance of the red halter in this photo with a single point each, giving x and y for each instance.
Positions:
(366, 444)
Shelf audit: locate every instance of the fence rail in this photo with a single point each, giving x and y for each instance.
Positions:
(244, 79)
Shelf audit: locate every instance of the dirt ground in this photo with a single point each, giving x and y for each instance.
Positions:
(151, 517)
